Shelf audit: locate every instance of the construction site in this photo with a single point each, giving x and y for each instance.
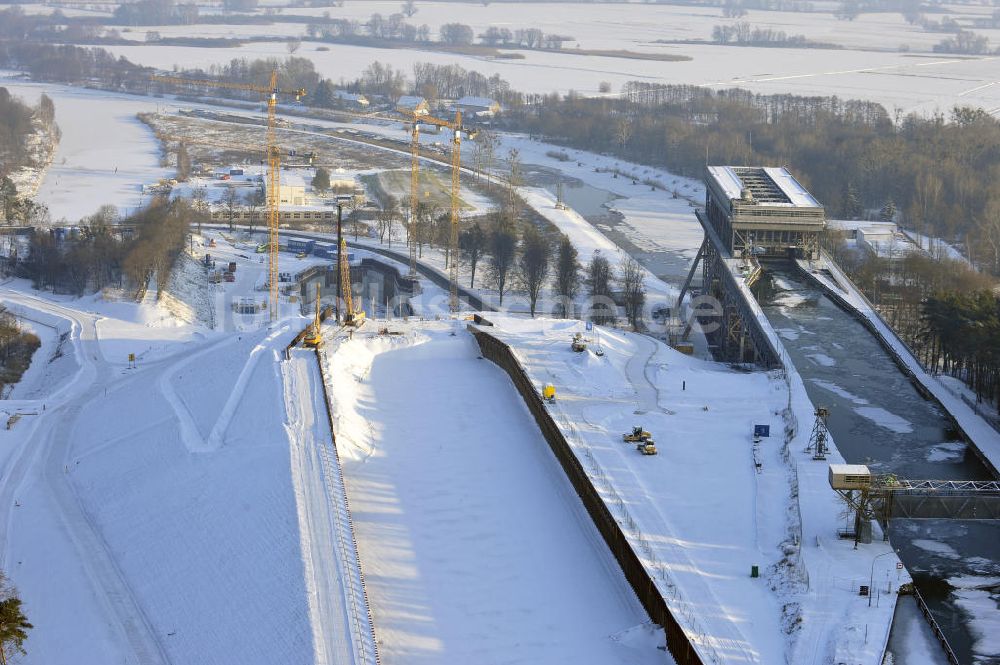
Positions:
(429, 474)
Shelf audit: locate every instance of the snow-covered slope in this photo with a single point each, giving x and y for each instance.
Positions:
(475, 548)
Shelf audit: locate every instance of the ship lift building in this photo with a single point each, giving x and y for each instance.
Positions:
(763, 211)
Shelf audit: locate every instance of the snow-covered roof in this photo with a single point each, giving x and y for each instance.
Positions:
(292, 180)
(798, 194)
(850, 469)
(478, 102)
(772, 186)
(411, 102)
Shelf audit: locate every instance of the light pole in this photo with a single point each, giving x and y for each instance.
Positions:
(871, 578)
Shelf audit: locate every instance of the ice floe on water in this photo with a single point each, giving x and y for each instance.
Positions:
(837, 390)
(883, 418)
(949, 451)
(822, 359)
(979, 598)
(943, 550)
(788, 333)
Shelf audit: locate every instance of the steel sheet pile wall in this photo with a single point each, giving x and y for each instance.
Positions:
(677, 642)
(365, 642)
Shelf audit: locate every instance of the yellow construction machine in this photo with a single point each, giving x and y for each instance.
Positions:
(352, 317)
(647, 447)
(636, 435)
(314, 338)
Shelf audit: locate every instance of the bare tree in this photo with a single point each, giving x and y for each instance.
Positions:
(293, 45)
(254, 202)
(567, 274)
(409, 8)
(513, 182)
(386, 218)
(231, 200)
(502, 249)
(631, 278)
(472, 242)
(599, 275)
(533, 263)
(199, 200)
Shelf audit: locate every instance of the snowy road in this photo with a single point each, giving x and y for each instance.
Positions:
(40, 499)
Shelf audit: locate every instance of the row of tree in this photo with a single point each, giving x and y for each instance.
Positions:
(18, 122)
(944, 310)
(943, 174)
(962, 337)
(104, 251)
(744, 34)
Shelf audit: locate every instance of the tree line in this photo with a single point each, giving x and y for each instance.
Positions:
(105, 251)
(962, 338)
(945, 311)
(942, 174)
(18, 122)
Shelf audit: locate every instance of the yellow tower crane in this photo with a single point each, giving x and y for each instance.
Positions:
(273, 162)
(456, 168)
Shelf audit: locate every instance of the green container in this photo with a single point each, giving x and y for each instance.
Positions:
(754, 571)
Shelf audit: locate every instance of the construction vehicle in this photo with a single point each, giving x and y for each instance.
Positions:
(314, 338)
(637, 434)
(549, 393)
(352, 317)
(456, 167)
(579, 343)
(647, 447)
(273, 161)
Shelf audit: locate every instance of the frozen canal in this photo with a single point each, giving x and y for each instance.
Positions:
(105, 154)
(878, 418)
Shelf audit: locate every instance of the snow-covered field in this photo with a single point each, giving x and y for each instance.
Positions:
(474, 545)
(896, 80)
(176, 512)
(718, 514)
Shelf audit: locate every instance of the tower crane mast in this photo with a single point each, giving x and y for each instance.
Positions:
(273, 162)
(456, 168)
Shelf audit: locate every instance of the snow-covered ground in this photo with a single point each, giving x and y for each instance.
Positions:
(179, 511)
(474, 545)
(718, 515)
(896, 80)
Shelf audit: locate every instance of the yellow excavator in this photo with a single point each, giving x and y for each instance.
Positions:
(352, 317)
(314, 339)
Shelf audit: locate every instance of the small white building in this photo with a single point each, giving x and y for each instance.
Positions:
(413, 105)
(478, 107)
(885, 241)
(292, 189)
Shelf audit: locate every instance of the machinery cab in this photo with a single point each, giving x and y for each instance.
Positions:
(636, 435)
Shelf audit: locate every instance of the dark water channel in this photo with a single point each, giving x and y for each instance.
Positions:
(877, 417)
